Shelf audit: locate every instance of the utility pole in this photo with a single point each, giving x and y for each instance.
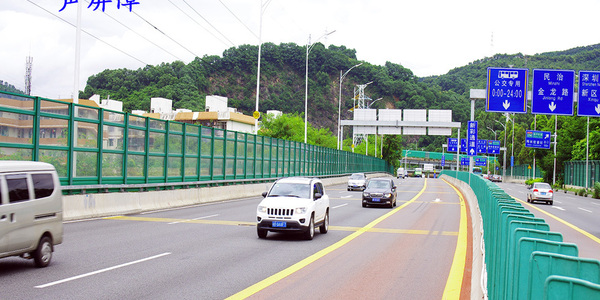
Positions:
(28, 65)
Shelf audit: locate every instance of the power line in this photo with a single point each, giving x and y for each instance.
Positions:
(241, 20)
(89, 33)
(142, 36)
(191, 18)
(211, 25)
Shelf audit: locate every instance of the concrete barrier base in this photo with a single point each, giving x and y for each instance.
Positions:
(478, 273)
(85, 206)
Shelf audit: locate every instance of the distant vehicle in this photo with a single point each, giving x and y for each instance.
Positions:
(540, 191)
(294, 204)
(401, 173)
(357, 181)
(380, 191)
(495, 178)
(31, 211)
(418, 172)
(477, 171)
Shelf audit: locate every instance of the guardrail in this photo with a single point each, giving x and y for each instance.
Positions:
(94, 146)
(524, 259)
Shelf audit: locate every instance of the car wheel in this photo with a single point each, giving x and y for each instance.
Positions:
(310, 233)
(551, 202)
(262, 233)
(364, 204)
(43, 254)
(325, 227)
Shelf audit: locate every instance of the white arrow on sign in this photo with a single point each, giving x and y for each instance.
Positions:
(506, 104)
(552, 106)
(598, 109)
(472, 151)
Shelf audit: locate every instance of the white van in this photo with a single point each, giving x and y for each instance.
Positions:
(30, 210)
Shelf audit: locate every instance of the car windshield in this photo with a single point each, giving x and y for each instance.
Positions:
(357, 176)
(286, 189)
(542, 186)
(379, 184)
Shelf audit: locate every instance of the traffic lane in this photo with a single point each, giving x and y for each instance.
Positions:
(406, 256)
(565, 216)
(226, 258)
(347, 210)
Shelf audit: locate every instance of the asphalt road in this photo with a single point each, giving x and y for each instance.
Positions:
(213, 252)
(577, 218)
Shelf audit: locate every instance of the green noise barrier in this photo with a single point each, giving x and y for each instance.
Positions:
(523, 258)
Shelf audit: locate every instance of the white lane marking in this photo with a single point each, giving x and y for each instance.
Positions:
(346, 196)
(340, 205)
(437, 200)
(100, 271)
(558, 207)
(585, 209)
(199, 218)
(559, 202)
(595, 203)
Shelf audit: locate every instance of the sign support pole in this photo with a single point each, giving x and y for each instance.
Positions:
(587, 153)
(555, 142)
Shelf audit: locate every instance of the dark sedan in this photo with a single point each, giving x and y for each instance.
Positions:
(381, 192)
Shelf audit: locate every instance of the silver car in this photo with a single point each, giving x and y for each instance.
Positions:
(357, 181)
(540, 191)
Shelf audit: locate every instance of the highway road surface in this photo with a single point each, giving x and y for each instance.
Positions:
(418, 250)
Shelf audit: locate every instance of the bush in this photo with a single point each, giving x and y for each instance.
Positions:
(581, 192)
(597, 190)
(530, 181)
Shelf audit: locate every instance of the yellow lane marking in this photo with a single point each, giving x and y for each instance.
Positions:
(305, 262)
(454, 283)
(238, 223)
(589, 235)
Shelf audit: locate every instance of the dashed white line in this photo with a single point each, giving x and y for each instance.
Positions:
(595, 203)
(585, 210)
(340, 205)
(199, 218)
(558, 207)
(346, 196)
(100, 271)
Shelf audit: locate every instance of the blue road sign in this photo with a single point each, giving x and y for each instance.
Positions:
(588, 104)
(452, 145)
(553, 92)
(464, 161)
(472, 138)
(481, 161)
(493, 147)
(512, 161)
(507, 90)
(537, 139)
(482, 146)
(463, 145)
(443, 160)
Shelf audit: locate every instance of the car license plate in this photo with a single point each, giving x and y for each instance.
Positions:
(279, 224)
(376, 199)
(543, 193)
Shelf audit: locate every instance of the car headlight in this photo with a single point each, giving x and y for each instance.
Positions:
(366, 194)
(301, 210)
(262, 209)
(388, 195)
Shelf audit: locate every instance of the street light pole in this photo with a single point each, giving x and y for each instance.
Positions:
(263, 7)
(504, 160)
(339, 137)
(309, 47)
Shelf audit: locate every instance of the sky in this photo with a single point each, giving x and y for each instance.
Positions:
(430, 37)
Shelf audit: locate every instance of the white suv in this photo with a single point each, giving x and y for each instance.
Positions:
(294, 204)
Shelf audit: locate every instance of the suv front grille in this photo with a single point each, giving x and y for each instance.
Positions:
(280, 212)
(376, 195)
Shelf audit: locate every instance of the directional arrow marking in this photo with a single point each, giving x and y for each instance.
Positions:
(552, 106)
(506, 104)
(597, 109)
(472, 151)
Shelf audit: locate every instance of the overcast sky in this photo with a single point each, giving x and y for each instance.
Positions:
(430, 37)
